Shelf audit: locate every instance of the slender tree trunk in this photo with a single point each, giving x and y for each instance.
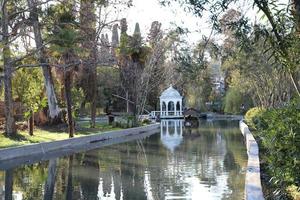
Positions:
(67, 84)
(127, 102)
(52, 100)
(31, 123)
(93, 111)
(50, 183)
(94, 89)
(10, 126)
(295, 82)
(1, 81)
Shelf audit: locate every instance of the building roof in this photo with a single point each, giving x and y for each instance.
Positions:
(192, 112)
(170, 93)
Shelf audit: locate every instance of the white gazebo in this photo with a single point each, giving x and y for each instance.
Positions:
(170, 104)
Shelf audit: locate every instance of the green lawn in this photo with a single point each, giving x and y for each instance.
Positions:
(45, 135)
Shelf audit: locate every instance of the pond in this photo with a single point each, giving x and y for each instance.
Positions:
(207, 162)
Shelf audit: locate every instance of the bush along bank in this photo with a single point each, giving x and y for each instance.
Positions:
(278, 133)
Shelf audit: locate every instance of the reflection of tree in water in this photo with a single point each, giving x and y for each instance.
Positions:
(50, 182)
(89, 180)
(30, 180)
(132, 173)
(8, 184)
(70, 189)
(145, 169)
(229, 162)
(235, 163)
(123, 168)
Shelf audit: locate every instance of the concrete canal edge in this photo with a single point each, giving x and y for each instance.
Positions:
(74, 144)
(253, 189)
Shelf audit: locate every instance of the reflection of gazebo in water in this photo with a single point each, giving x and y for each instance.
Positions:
(171, 133)
(170, 104)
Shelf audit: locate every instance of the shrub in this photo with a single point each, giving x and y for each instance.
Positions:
(252, 116)
(279, 131)
(146, 121)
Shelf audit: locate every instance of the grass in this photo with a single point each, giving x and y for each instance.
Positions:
(51, 134)
(98, 127)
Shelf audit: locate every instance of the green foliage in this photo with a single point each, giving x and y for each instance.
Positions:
(28, 88)
(63, 29)
(107, 84)
(233, 101)
(146, 121)
(279, 131)
(77, 99)
(132, 48)
(252, 116)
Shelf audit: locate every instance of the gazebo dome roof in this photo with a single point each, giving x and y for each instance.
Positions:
(170, 93)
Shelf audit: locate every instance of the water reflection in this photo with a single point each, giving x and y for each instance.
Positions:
(9, 184)
(171, 133)
(50, 182)
(179, 163)
(70, 178)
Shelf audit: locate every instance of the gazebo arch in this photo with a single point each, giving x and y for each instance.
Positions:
(170, 103)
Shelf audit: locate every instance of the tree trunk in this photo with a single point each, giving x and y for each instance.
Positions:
(127, 102)
(10, 126)
(51, 96)
(93, 76)
(93, 112)
(1, 81)
(67, 84)
(31, 123)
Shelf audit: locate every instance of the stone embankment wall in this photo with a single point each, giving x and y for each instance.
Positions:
(11, 157)
(253, 189)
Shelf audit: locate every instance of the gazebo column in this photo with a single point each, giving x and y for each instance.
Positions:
(161, 108)
(180, 106)
(175, 109)
(167, 109)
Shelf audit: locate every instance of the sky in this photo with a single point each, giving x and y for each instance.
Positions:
(146, 11)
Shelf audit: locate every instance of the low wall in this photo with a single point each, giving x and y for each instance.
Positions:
(253, 189)
(28, 153)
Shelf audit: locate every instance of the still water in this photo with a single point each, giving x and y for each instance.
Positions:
(178, 163)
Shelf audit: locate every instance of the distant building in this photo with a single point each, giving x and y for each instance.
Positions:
(219, 84)
(217, 76)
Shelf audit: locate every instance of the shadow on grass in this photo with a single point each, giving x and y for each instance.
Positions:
(17, 137)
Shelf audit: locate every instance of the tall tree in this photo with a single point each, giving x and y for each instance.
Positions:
(114, 41)
(43, 58)
(10, 127)
(65, 39)
(89, 45)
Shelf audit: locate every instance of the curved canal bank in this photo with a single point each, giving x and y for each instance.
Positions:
(28, 154)
(253, 188)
